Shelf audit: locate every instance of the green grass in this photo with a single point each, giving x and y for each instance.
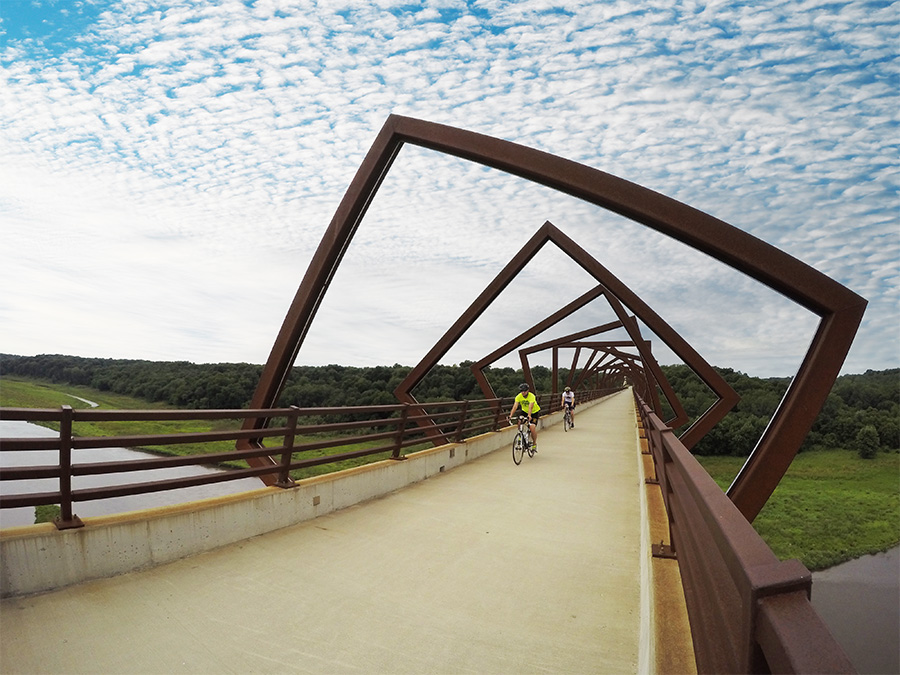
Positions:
(22, 393)
(831, 506)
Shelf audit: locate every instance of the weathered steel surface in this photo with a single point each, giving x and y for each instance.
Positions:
(840, 309)
(749, 612)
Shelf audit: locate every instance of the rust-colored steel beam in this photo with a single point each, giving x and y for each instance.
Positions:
(566, 342)
(616, 294)
(643, 346)
(840, 309)
(479, 366)
(618, 364)
(476, 309)
(608, 355)
(550, 233)
(619, 294)
(575, 356)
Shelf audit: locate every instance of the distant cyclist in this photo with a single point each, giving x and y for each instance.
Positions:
(529, 405)
(568, 402)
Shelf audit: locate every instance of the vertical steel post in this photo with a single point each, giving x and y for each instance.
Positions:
(401, 431)
(460, 427)
(67, 520)
(284, 477)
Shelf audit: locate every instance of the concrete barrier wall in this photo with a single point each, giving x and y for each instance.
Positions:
(39, 558)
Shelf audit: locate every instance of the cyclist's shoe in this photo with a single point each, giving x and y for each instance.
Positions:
(534, 447)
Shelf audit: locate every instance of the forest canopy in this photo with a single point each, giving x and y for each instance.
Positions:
(865, 405)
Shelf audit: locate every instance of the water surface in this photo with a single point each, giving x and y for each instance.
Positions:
(860, 602)
(102, 507)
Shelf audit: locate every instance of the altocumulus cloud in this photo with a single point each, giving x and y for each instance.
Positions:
(170, 167)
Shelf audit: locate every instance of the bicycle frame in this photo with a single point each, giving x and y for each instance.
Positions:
(522, 443)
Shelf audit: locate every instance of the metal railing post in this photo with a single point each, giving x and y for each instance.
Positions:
(498, 407)
(401, 432)
(284, 472)
(462, 422)
(67, 520)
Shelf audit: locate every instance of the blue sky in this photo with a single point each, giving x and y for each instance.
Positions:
(168, 169)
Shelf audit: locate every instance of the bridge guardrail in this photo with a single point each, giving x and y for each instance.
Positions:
(749, 612)
(308, 437)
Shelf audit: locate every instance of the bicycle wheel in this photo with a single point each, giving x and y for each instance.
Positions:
(518, 448)
(567, 421)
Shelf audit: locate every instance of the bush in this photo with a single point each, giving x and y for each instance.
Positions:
(867, 442)
(46, 513)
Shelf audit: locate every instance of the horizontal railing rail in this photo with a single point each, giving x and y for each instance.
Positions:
(300, 438)
(749, 612)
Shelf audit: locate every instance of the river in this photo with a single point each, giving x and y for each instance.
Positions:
(25, 516)
(860, 602)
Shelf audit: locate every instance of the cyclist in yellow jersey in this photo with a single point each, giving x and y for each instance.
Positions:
(529, 405)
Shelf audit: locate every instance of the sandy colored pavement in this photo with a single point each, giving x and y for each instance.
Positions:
(488, 568)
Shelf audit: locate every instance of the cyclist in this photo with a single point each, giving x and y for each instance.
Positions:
(568, 401)
(529, 405)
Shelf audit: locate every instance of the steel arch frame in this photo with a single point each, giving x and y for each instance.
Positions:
(839, 308)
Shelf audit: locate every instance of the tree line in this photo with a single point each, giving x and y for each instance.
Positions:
(231, 385)
(862, 411)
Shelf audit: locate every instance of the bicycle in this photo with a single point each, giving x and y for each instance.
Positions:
(567, 419)
(522, 442)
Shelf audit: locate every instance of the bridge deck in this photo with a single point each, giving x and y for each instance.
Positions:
(489, 568)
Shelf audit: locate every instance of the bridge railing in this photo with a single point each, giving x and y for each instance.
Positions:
(749, 612)
(294, 439)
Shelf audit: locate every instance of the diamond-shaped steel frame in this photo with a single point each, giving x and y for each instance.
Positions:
(617, 294)
(621, 364)
(659, 378)
(646, 385)
(839, 308)
(550, 233)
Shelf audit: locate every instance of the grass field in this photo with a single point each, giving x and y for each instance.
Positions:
(831, 506)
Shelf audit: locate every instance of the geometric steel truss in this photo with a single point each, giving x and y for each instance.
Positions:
(619, 296)
(839, 309)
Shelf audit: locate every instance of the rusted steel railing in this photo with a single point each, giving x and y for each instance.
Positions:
(749, 612)
(308, 437)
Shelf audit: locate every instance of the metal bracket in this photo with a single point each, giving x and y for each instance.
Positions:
(662, 550)
(72, 524)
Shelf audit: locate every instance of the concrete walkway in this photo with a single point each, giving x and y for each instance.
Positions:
(488, 568)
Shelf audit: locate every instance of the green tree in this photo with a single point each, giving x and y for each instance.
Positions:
(867, 442)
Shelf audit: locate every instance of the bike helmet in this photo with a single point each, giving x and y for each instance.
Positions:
(567, 389)
(524, 387)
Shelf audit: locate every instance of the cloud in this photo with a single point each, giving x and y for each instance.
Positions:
(192, 155)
